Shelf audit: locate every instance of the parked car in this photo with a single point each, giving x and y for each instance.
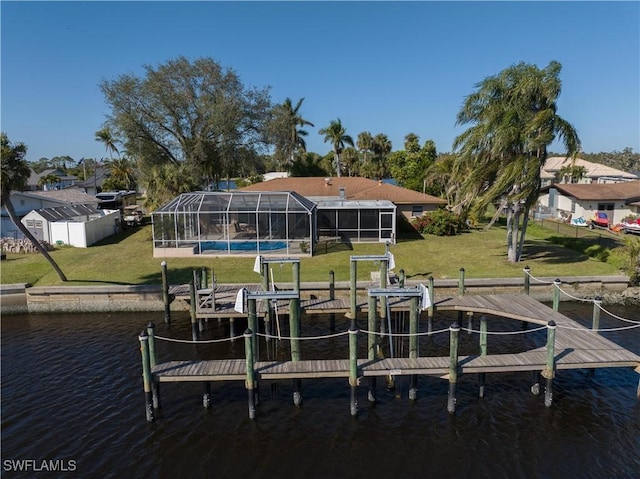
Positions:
(133, 215)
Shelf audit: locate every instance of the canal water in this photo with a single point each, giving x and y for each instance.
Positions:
(72, 400)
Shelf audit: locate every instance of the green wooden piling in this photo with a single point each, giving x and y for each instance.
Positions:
(151, 330)
(401, 278)
(197, 281)
(204, 280)
(146, 375)
(483, 352)
(527, 280)
(372, 345)
(469, 322)
(549, 371)
(252, 324)
(413, 344)
(461, 282)
(353, 289)
(294, 332)
(353, 369)
(332, 296)
(266, 286)
(153, 360)
(192, 308)
(251, 379)
(165, 293)
(556, 294)
(595, 324)
(454, 329)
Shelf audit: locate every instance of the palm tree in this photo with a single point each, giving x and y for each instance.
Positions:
(122, 174)
(49, 179)
(365, 144)
(572, 173)
(285, 132)
(381, 149)
(14, 176)
(105, 135)
(337, 135)
(500, 157)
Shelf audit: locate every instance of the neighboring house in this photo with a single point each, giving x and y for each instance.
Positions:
(26, 201)
(411, 204)
(594, 172)
(617, 200)
(75, 225)
(93, 184)
(64, 180)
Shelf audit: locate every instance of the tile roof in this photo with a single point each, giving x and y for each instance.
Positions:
(356, 188)
(628, 191)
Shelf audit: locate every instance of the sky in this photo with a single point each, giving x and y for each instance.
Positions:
(383, 67)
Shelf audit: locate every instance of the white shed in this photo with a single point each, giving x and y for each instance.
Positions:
(77, 225)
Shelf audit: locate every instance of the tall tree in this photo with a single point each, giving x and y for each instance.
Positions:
(196, 113)
(336, 134)
(513, 117)
(122, 174)
(106, 137)
(285, 130)
(365, 145)
(381, 149)
(14, 175)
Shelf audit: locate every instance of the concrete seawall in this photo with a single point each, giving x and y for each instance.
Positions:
(17, 299)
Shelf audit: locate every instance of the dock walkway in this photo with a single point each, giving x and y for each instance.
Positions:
(569, 346)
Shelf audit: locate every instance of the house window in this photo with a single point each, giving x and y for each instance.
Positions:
(416, 211)
(606, 206)
(29, 223)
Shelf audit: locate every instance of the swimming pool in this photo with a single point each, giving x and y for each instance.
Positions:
(249, 245)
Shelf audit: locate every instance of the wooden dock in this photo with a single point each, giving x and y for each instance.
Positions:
(574, 347)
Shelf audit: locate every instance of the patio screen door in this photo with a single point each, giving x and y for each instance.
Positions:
(386, 226)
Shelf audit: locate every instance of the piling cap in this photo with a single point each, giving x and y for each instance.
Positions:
(455, 326)
(151, 324)
(143, 335)
(248, 332)
(551, 324)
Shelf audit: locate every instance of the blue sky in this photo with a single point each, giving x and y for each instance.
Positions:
(384, 67)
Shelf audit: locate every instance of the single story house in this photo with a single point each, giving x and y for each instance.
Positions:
(594, 172)
(409, 203)
(571, 201)
(26, 201)
(74, 225)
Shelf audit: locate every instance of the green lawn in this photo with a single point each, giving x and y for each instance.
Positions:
(127, 259)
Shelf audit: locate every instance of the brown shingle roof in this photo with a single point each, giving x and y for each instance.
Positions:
(356, 188)
(628, 191)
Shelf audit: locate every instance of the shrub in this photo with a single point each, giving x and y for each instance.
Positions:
(440, 223)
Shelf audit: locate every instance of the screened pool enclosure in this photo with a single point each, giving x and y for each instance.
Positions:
(266, 223)
(241, 223)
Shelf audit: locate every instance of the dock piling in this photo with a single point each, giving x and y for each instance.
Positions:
(483, 352)
(165, 293)
(527, 280)
(153, 360)
(549, 371)
(146, 375)
(372, 345)
(413, 344)
(556, 294)
(192, 310)
(251, 380)
(454, 329)
(353, 368)
(595, 323)
(461, 282)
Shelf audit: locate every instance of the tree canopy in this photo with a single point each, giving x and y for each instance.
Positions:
(196, 113)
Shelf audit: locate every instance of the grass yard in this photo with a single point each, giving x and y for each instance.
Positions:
(128, 259)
